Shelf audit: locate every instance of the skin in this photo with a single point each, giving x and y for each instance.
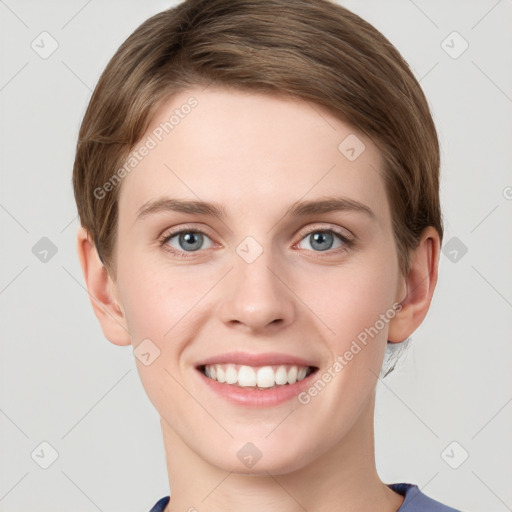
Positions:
(256, 155)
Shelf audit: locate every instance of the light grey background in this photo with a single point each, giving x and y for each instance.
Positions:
(63, 383)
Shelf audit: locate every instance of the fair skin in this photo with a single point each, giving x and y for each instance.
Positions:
(257, 155)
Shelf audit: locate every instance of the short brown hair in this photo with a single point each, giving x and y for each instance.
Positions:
(315, 50)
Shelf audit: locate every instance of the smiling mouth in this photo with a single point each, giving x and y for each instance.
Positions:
(257, 377)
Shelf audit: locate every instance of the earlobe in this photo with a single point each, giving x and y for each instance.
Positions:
(420, 284)
(101, 291)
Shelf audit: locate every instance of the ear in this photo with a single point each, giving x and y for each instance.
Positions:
(102, 291)
(419, 283)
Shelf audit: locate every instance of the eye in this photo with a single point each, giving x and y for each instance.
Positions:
(186, 240)
(179, 243)
(321, 240)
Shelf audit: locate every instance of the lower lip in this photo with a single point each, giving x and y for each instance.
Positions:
(260, 397)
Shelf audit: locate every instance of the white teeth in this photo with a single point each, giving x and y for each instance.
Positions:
(281, 376)
(292, 375)
(221, 376)
(261, 377)
(246, 376)
(265, 377)
(301, 373)
(231, 374)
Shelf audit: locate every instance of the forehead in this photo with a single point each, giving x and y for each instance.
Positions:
(249, 149)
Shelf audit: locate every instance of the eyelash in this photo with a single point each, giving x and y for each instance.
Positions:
(349, 243)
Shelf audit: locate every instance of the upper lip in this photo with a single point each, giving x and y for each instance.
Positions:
(264, 359)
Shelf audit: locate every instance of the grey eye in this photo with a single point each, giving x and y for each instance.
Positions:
(188, 240)
(323, 240)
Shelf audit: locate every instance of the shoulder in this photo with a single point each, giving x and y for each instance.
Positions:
(416, 501)
(160, 505)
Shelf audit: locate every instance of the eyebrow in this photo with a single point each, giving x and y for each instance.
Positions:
(302, 208)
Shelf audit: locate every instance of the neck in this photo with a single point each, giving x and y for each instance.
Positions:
(343, 479)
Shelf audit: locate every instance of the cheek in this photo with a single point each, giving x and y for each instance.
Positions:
(160, 306)
(357, 307)
(351, 298)
(158, 300)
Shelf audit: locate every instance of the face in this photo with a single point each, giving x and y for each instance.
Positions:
(279, 280)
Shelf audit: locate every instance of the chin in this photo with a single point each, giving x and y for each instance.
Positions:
(261, 457)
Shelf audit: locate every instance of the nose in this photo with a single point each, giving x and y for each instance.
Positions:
(257, 298)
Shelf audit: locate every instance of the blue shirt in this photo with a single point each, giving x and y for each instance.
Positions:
(415, 500)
